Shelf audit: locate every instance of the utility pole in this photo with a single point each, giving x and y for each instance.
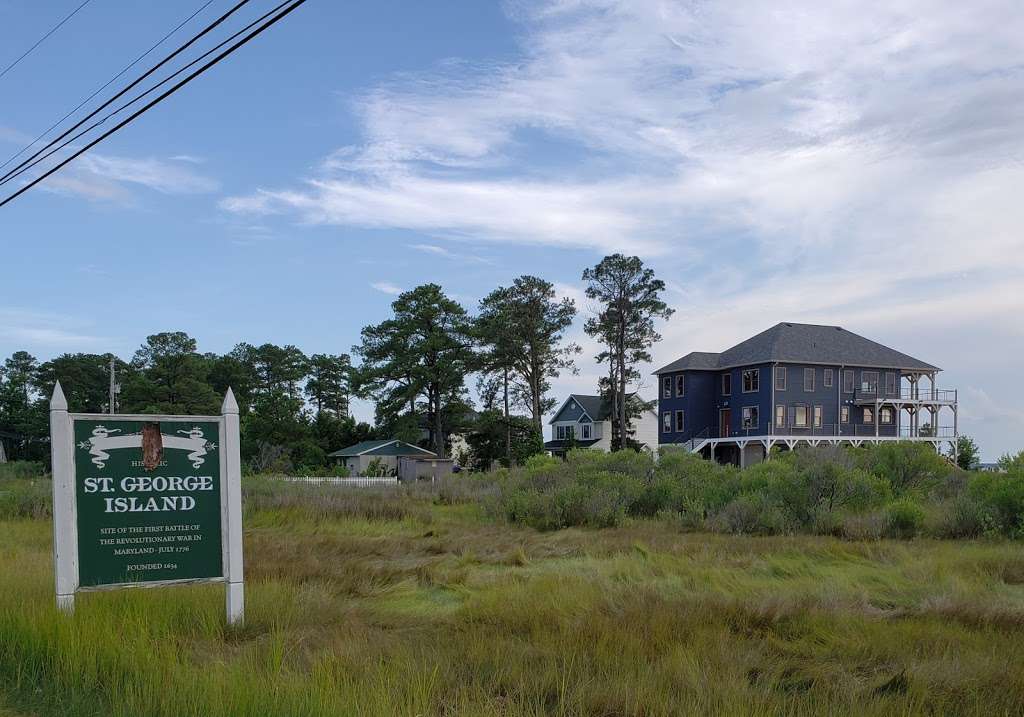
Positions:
(113, 387)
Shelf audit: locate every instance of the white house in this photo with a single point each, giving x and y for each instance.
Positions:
(586, 422)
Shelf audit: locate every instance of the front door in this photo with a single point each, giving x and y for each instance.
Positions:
(724, 421)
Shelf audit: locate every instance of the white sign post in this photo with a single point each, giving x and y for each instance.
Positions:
(146, 501)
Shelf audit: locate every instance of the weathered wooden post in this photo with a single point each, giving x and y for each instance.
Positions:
(65, 537)
(231, 452)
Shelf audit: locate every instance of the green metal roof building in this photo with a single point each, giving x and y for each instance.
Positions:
(356, 458)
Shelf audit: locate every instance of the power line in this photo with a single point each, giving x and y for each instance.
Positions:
(269, 23)
(108, 84)
(32, 161)
(209, 28)
(41, 40)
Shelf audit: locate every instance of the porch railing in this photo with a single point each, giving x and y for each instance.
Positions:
(873, 393)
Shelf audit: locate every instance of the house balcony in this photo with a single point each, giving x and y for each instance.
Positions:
(870, 395)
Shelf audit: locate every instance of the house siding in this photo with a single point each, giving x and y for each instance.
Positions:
(703, 401)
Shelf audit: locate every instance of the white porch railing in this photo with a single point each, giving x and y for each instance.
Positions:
(356, 482)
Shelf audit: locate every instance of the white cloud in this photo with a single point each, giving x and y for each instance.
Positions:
(37, 330)
(387, 287)
(843, 162)
(101, 177)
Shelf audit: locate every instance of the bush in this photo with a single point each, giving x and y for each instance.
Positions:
(909, 468)
(1000, 501)
(905, 518)
(750, 513)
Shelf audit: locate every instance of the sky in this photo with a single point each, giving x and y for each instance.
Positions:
(847, 163)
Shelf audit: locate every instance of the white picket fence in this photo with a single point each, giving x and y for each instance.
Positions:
(357, 482)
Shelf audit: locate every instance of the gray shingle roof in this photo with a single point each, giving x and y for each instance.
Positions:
(595, 406)
(802, 343)
(391, 447)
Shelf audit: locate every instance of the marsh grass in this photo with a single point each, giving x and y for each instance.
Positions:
(410, 603)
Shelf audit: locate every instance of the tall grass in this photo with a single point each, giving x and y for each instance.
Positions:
(366, 611)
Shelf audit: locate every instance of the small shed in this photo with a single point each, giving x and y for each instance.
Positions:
(414, 468)
(358, 457)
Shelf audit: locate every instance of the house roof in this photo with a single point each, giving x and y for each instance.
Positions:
(802, 343)
(594, 406)
(392, 447)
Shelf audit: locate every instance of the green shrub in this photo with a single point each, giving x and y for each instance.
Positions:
(1000, 498)
(905, 518)
(913, 468)
(750, 513)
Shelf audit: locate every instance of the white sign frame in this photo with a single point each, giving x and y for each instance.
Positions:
(65, 512)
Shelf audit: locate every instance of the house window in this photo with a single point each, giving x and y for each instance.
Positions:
(808, 379)
(666, 422)
(844, 414)
(885, 416)
(666, 387)
(680, 386)
(750, 417)
(800, 416)
(585, 431)
(847, 381)
(817, 416)
(828, 378)
(780, 378)
(561, 432)
(869, 381)
(780, 416)
(890, 383)
(726, 384)
(751, 380)
(869, 415)
(679, 421)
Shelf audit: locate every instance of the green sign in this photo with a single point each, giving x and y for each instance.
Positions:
(148, 500)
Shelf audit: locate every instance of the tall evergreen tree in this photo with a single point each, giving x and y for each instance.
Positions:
(522, 328)
(168, 375)
(84, 378)
(423, 352)
(629, 296)
(328, 383)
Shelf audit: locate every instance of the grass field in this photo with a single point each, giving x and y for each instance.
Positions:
(373, 604)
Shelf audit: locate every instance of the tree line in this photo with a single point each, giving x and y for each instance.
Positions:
(415, 366)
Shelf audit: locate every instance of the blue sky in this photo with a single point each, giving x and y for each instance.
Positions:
(856, 164)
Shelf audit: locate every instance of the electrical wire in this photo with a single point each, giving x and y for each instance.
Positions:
(269, 23)
(41, 40)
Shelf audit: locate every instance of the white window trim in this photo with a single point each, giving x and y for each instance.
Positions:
(586, 431)
(785, 378)
(743, 380)
(864, 382)
(780, 424)
(796, 416)
(746, 414)
(680, 386)
(666, 387)
(666, 425)
(827, 378)
(844, 414)
(864, 415)
(882, 413)
(818, 416)
(680, 421)
(814, 378)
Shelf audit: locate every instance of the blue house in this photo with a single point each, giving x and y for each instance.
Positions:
(800, 384)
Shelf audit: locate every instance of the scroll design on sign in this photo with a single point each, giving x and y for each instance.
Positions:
(103, 441)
